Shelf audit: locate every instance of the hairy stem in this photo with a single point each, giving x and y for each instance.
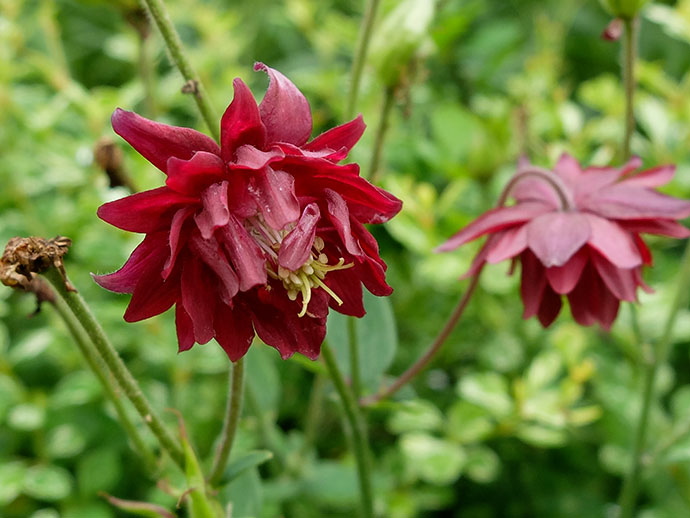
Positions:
(174, 45)
(116, 366)
(365, 32)
(430, 352)
(111, 389)
(232, 418)
(357, 427)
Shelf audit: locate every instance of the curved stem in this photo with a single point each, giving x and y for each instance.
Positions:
(428, 355)
(629, 57)
(174, 45)
(542, 174)
(232, 418)
(655, 357)
(381, 131)
(357, 427)
(111, 390)
(116, 366)
(365, 32)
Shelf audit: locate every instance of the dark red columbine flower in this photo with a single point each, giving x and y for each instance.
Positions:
(577, 233)
(262, 234)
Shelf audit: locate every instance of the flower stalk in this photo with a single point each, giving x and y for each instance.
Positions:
(630, 36)
(115, 365)
(233, 411)
(358, 431)
(174, 45)
(365, 33)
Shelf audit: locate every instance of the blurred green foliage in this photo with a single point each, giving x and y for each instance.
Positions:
(511, 420)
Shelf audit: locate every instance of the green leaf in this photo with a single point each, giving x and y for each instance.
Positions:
(333, 484)
(487, 390)
(244, 495)
(26, 417)
(434, 460)
(483, 465)
(544, 369)
(77, 388)
(468, 423)
(12, 475)
(99, 470)
(418, 415)
(542, 436)
(49, 483)
(248, 460)
(139, 508)
(377, 336)
(64, 441)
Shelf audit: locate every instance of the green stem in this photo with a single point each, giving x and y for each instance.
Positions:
(353, 344)
(357, 429)
(381, 129)
(365, 32)
(629, 57)
(111, 390)
(116, 366)
(146, 74)
(174, 45)
(232, 418)
(314, 411)
(654, 358)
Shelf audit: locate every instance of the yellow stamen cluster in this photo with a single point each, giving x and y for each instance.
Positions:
(310, 275)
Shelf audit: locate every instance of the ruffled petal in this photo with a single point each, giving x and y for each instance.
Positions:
(193, 175)
(199, 299)
(495, 220)
(234, 331)
(151, 251)
(274, 193)
(613, 242)
(215, 213)
(555, 237)
(145, 211)
(564, 278)
(339, 140)
(246, 256)
(241, 123)
(158, 142)
(296, 247)
(284, 110)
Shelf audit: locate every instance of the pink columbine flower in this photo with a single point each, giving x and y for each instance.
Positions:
(261, 234)
(577, 233)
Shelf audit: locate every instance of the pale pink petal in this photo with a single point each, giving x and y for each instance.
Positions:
(555, 237)
(215, 213)
(241, 123)
(662, 227)
(624, 201)
(533, 189)
(508, 243)
(613, 242)
(564, 278)
(250, 158)
(192, 176)
(569, 170)
(274, 193)
(495, 220)
(284, 110)
(594, 179)
(158, 142)
(654, 177)
(296, 247)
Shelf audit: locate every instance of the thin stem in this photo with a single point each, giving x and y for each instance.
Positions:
(629, 57)
(109, 386)
(358, 431)
(174, 46)
(365, 32)
(655, 357)
(314, 411)
(381, 130)
(353, 344)
(116, 366)
(232, 418)
(431, 351)
(542, 174)
(146, 74)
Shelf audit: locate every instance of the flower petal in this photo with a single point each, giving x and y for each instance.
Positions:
(174, 241)
(555, 237)
(234, 330)
(149, 252)
(591, 301)
(284, 110)
(199, 298)
(613, 242)
(193, 175)
(508, 243)
(620, 281)
(144, 211)
(250, 158)
(184, 327)
(339, 215)
(349, 290)
(296, 247)
(625, 201)
(241, 123)
(532, 283)
(152, 295)
(495, 220)
(274, 193)
(339, 139)
(662, 227)
(568, 169)
(532, 189)
(215, 213)
(246, 256)
(654, 177)
(209, 251)
(158, 142)
(564, 278)
(550, 306)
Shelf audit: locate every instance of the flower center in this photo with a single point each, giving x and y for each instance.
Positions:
(308, 276)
